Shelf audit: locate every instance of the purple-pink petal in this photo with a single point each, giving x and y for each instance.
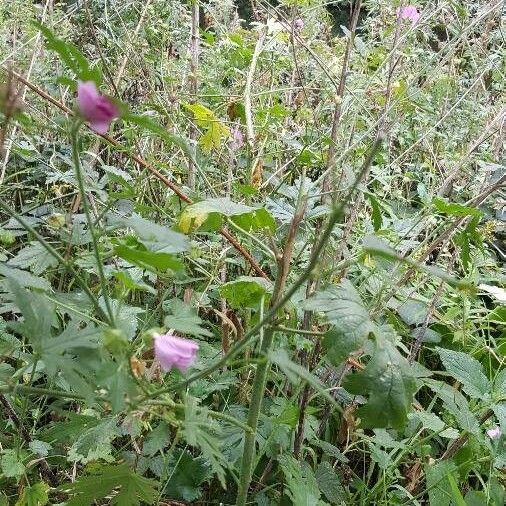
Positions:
(409, 12)
(494, 432)
(172, 351)
(98, 110)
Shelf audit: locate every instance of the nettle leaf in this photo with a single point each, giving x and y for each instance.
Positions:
(184, 319)
(207, 215)
(132, 488)
(24, 278)
(300, 480)
(467, 370)
(441, 484)
(343, 307)
(187, 474)
(389, 382)
(34, 257)
(200, 431)
(329, 483)
(245, 291)
(456, 404)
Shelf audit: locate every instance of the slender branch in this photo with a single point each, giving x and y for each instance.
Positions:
(80, 182)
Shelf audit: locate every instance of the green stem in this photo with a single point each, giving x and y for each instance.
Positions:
(54, 254)
(248, 455)
(84, 200)
(13, 389)
(263, 369)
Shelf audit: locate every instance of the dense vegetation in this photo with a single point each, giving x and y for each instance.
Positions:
(276, 277)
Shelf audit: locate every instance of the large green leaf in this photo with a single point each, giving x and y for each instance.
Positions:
(343, 307)
(388, 381)
(155, 237)
(245, 291)
(34, 257)
(467, 370)
(207, 215)
(34, 495)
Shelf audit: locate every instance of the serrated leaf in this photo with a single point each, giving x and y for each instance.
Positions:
(300, 480)
(132, 487)
(35, 495)
(199, 431)
(24, 278)
(95, 443)
(428, 420)
(438, 482)
(456, 404)
(34, 257)
(184, 319)
(467, 370)
(389, 382)
(39, 447)
(187, 474)
(343, 307)
(156, 440)
(329, 483)
(11, 464)
(245, 291)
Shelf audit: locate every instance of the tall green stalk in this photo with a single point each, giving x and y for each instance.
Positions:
(278, 302)
(84, 201)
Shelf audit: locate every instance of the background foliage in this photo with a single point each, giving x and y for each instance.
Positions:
(241, 142)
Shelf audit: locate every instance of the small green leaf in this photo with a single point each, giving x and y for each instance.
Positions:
(329, 483)
(11, 464)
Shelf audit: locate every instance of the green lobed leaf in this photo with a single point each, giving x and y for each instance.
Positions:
(300, 480)
(184, 319)
(34, 495)
(132, 488)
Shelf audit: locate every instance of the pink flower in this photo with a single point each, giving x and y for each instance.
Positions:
(409, 12)
(172, 351)
(98, 110)
(298, 25)
(237, 139)
(494, 432)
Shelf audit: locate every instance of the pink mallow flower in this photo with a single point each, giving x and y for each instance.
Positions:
(98, 110)
(298, 25)
(172, 351)
(409, 12)
(494, 432)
